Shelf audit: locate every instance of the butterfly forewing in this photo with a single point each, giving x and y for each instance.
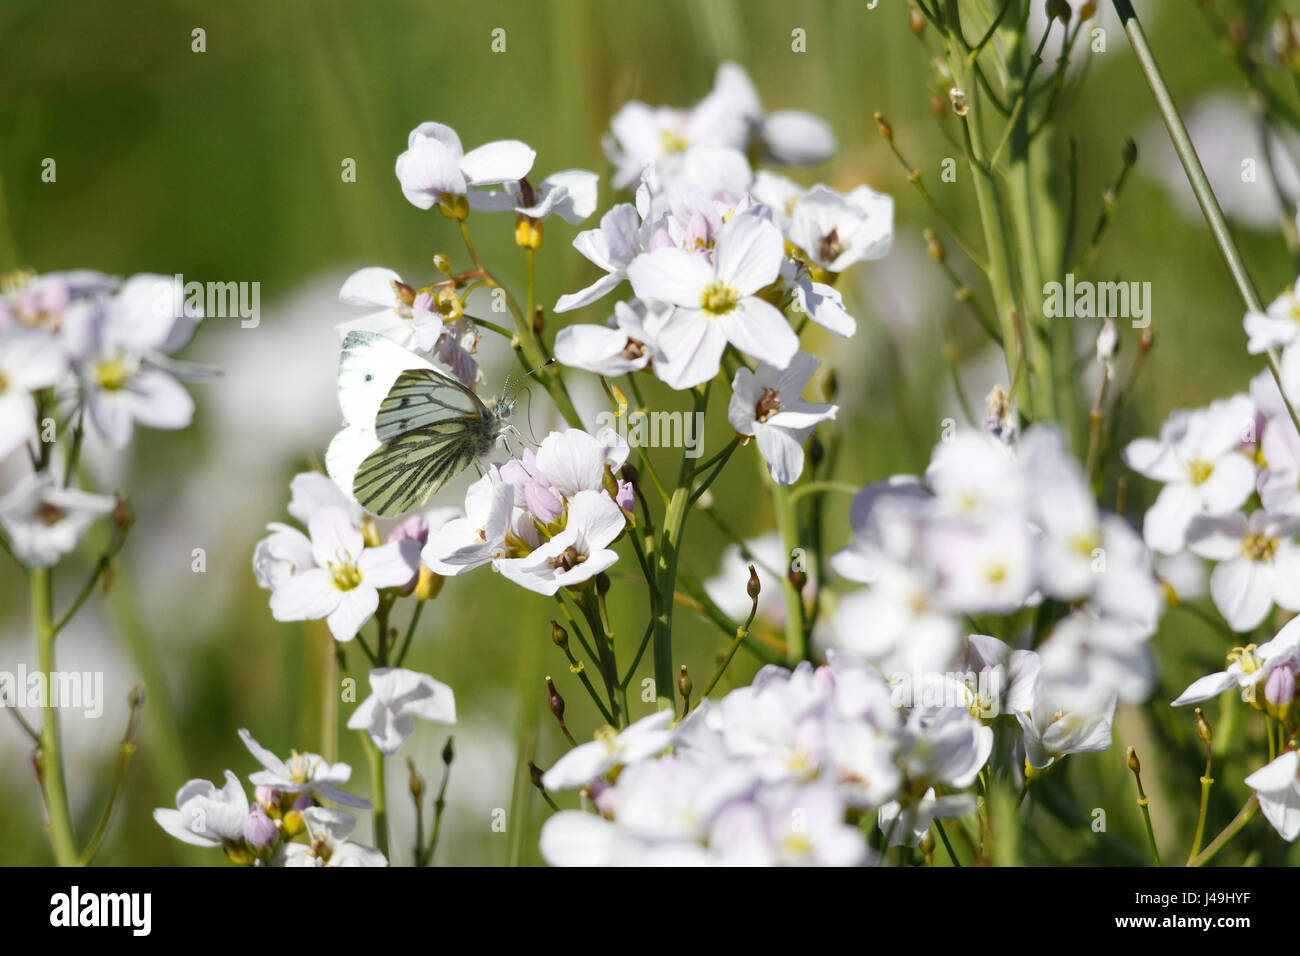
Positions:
(421, 398)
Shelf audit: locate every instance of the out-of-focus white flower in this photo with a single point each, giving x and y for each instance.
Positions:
(397, 697)
(206, 815)
(1259, 564)
(1196, 458)
(44, 521)
(302, 773)
(768, 405)
(1062, 722)
(908, 826)
(29, 361)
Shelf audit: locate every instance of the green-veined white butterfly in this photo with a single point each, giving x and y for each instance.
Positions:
(409, 427)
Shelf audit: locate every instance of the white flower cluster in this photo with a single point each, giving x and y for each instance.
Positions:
(286, 805)
(992, 530)
(776, 773)
(81, 350)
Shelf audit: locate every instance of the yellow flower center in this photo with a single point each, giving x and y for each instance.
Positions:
(672, 143)
(111, 374)
(718, 298)
(1199, 471)
(1259, 547)
(346, 575)
(1246, 658)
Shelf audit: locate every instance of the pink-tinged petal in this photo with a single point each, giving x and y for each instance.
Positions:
(596, 518)
(390, 565)
(748, 253)
(334, 538)
(1242, 591)
(782, 452)
(674, 276)
(354, 609)
(1230, 483)
(758, 328)
(157, 400)
(305, 596)
(372, 286)
(692, 344)
(499, 162)
(31, 360)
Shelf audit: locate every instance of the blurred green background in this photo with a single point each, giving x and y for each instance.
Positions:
(225, 166)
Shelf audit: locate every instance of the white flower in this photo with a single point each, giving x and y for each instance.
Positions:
(944, 745)
(327, 833)
(915, 821)
(587, 762)
(280, 555)
(837, 231)
(1247, 667)
(1275, 328)
(29, 361)
(1278, 787)
(1061, 723)
(1091, 656)
(624, 345)
(480, 535)
(397, 697)
(980, 566)
(407, 317)
(717, 303)
(973, 475)
(205, 815)
(768, 405)
(619, 239)
(801, 826)
(119, 347)
(435, 165)
(1259, 564)
(576, 554)
(302, 773)
(344, 585)
(571, 195)
(1196, 457)
(44, 521)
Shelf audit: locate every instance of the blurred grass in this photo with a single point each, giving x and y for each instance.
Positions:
(225, 165)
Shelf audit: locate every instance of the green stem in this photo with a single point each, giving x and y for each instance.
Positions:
(666, 585)
(56, 791)
(379, 810)
(787, 525)
(1200, 183)
(1243, 817)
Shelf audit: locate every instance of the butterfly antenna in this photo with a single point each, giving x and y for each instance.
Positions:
(547, 364)
(529, 414)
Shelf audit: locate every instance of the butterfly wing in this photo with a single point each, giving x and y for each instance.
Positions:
(421, 397)
(405, 471)
(368, 366)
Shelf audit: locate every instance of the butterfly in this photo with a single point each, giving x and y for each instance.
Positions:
(409, 427)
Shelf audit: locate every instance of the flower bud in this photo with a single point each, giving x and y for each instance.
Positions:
(1203, 732)
(528, 232)
(1133, 763)
(957, 99)
(684, 685)
(885, 129)
(1059, 9)
(1107, 342)
(414, 782)
(1130, 154)
(934, 247)
(602, 584)
(1087, 11)
(448, 751)
(554, 699)
(559, 635)
(259, 829)
(370, 532)
(1279, 687)
(754, 586)
(915, 19)
(442, 264)
(429, 583)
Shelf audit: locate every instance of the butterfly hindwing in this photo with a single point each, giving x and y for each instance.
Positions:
(405, 471)
(423, 397)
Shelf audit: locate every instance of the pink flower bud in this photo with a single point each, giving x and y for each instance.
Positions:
(1279, 688)
(259, 829)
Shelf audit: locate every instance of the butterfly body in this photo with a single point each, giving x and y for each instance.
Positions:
(411, 427)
